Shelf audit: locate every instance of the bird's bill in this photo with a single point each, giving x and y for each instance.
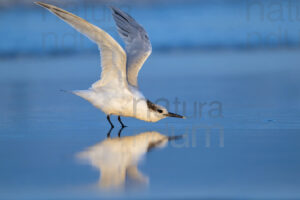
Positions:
(175, 115)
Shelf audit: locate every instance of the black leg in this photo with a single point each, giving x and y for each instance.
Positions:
(108, 118)
(119, 118)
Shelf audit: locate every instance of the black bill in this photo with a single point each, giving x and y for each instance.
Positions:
(174, 115)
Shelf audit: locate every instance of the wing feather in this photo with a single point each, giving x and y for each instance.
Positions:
(138, 46)
(113, 57)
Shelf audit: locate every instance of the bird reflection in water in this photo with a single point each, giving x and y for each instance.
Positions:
(117, 158)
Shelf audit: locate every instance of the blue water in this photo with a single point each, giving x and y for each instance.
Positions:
(248, 148)
(183, 25)
(241, 98)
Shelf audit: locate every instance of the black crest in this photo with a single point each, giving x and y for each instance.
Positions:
(153, 107)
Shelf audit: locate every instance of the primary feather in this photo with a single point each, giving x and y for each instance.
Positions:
(138, 46)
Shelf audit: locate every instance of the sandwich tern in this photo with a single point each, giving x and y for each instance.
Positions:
(117, 92)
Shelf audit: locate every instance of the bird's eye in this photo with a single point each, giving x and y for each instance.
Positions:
(159, 110)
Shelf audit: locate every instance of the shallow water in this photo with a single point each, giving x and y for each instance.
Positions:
(242, 143)
(180, 24)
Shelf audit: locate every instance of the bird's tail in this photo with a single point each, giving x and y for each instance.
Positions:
(86, 94)
(82, 93)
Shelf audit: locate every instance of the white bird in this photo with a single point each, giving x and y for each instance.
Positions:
(117, 93)
(117, 158)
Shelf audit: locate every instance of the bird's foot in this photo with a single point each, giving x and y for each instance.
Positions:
(123, 126)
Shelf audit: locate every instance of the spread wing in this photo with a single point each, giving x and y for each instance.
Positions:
(113, 57)
(138, 46)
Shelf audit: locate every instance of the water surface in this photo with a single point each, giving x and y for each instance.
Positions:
(242, 143)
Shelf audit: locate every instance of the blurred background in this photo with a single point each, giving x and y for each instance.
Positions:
(232, 66)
